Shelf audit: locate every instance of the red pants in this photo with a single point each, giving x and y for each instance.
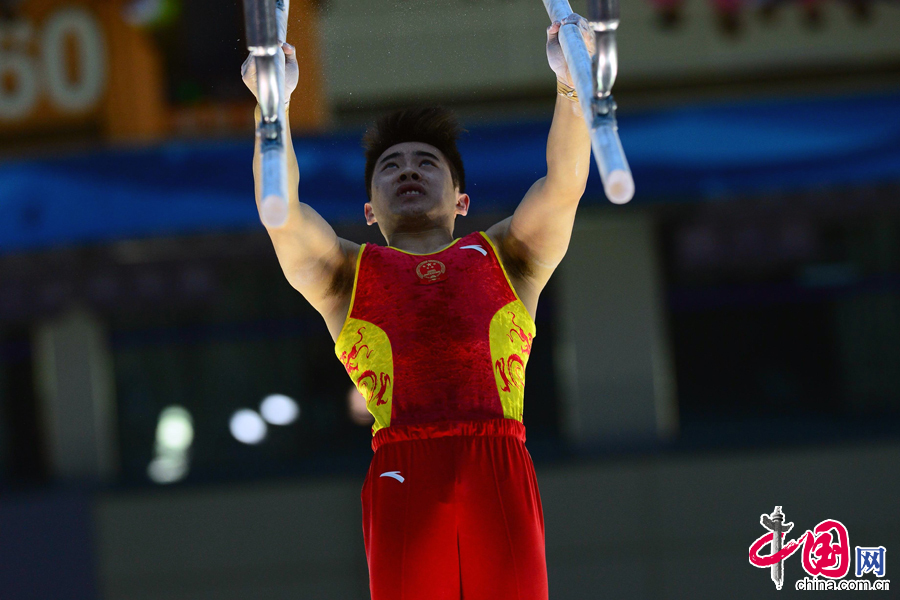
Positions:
(465, 522)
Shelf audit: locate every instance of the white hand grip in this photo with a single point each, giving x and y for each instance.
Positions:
(273, 209)
(614, 170)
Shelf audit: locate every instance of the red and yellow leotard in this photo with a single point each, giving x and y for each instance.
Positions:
(436, 338)
(437, 344)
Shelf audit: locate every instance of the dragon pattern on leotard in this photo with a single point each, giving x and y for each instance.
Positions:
(370, 384)
(512, 369)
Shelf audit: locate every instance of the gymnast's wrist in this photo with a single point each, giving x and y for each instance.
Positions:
(567, 91)
(257, 112)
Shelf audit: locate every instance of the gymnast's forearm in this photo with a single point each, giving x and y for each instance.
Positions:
(293, 172)
(307, 247)
(568, 150)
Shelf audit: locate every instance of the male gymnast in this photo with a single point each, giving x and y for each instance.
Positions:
(435, 332)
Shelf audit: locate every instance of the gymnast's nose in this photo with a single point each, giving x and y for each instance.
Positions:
(409, 174)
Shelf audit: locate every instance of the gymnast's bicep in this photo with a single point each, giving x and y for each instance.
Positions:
(535, 239)
(315, 261)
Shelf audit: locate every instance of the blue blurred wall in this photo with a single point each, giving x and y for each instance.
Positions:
(696, 153)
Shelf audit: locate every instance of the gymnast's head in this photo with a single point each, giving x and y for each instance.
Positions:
(414, 173)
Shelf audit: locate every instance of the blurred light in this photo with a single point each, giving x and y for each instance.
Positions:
(356, 408)
(247, 426)
(279, 409)
(151, 13)
(175, 430)
(168, 468)
(174, 436)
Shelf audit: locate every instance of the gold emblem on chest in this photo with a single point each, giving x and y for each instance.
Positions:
(431, 271)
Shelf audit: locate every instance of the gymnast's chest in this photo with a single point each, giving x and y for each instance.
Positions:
(451, 291)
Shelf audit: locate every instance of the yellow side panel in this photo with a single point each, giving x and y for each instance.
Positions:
(365, 351)
(512, 331)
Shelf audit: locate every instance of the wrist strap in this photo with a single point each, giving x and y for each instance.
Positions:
(564, 90)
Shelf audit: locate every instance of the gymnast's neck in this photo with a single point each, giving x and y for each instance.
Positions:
(420, 241)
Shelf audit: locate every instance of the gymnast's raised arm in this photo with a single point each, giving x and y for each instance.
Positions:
(315, 261)
(535, 238)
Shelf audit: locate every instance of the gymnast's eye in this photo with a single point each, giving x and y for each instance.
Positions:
(426, 161)
(390, 164)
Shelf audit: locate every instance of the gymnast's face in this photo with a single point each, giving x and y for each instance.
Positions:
(412, 189)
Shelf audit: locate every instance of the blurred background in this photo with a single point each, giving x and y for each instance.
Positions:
(174, 425)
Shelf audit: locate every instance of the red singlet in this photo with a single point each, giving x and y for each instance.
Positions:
(437, 344)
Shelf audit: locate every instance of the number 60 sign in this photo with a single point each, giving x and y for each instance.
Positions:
(64, 59)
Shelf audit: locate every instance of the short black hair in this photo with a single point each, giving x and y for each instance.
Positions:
(432, 125)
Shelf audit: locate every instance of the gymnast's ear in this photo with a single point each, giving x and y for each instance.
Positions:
(462, 204)
(369, 213)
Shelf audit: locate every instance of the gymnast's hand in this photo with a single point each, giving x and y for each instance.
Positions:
(291, 72)
(554, 51)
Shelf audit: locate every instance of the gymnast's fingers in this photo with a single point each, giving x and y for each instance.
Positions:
(588, 34)
(582, 23)
(290, 54)
(248, 73)
(291, 70)
(553, 30)
(573, 19)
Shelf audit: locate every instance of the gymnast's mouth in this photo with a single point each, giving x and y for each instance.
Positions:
(410, 190)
